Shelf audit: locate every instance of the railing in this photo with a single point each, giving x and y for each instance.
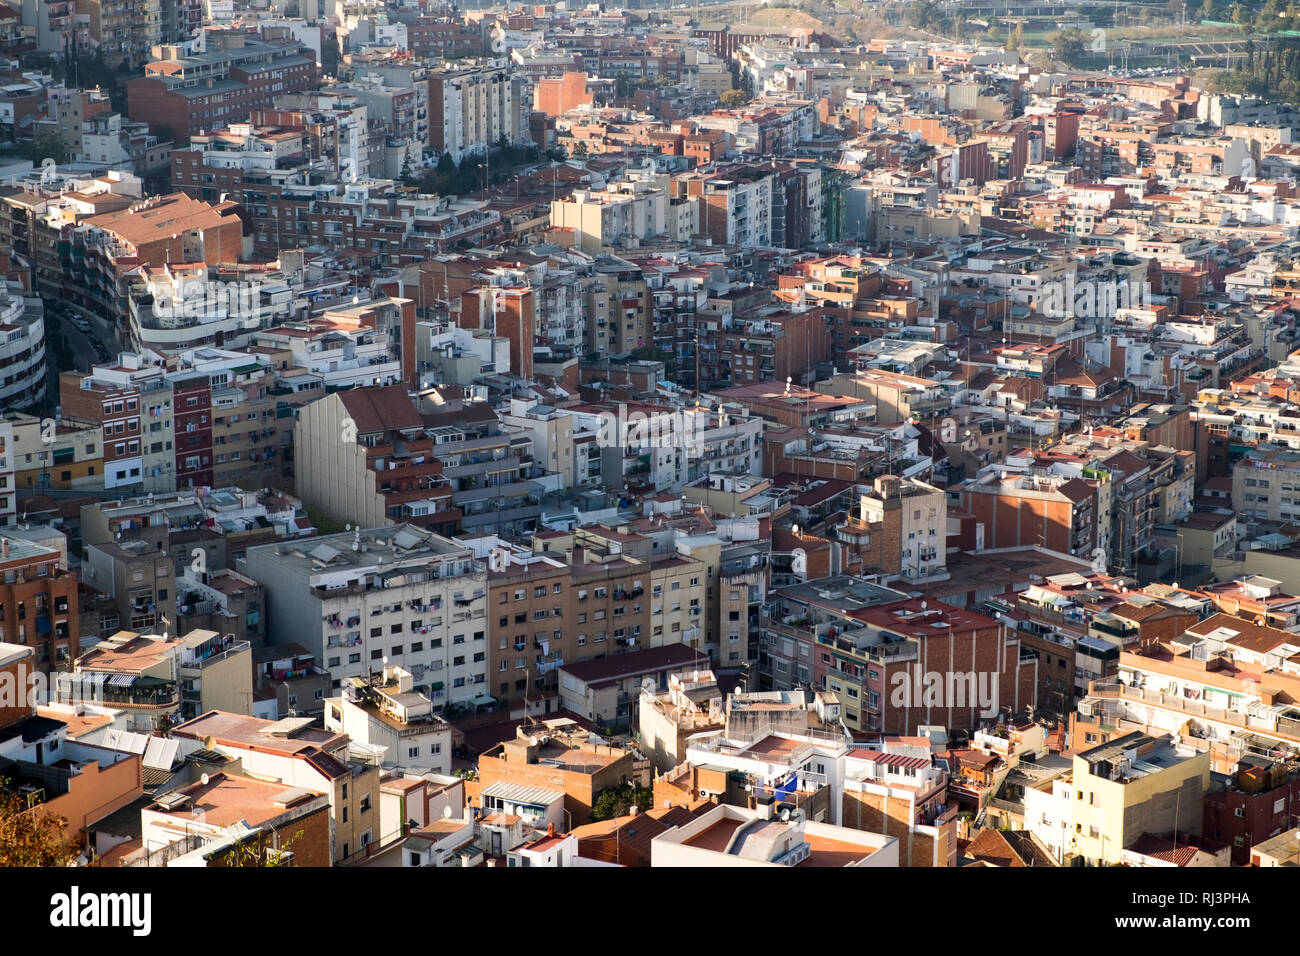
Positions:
(1170, 701)
(237, 648)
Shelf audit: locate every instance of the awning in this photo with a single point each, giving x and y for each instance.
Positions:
(43, 623)
(122, 680)
(437, 685)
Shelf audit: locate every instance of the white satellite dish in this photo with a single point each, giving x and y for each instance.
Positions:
(204, 780)
(446, 813)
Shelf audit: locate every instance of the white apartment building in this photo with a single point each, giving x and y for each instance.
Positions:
(391, 716)
(394, 595)
(472, 108)
(22, 351)
(8, 497)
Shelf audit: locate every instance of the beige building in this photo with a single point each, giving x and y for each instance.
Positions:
(606, 690)
(399, 724)
(678, 602)
(1280, 850)
(294, 754)
(216, 673)
(47, 454)
(693, 704)
(551, 430)
(1116, 792)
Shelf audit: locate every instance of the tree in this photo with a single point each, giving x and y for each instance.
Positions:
(1207, 9)
(29, 836)
(733, 98)
(1069, 47)
(580, 150)
(408, 173)
(614, 802)
(257, 852)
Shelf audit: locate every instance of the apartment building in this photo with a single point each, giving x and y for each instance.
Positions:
(1056, 513)
(88, 260)
(1132, 785)
(667, 719)
(562, 602)
(1259, 802)
(1226, 678)
(116, 398)
(729, 836)
(136, 673)
(22, 351)
(746, 349)
(398, 595)
(294, 755)
(880, 655)
(49, 454)
(183, 93)
(472, 108)
(606, 690)
(375, 461)
(900, 527)
(213, 821)
(556, 762)
(38, 602)
(137, 579)
(387, 714)
(623, 214)
(735, 203)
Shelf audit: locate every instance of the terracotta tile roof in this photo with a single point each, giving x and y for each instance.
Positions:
(381, 408)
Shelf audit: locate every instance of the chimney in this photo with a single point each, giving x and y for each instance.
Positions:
(550, 829)
(4, 547)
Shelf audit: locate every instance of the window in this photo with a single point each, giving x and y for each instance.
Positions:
(376, 654)
(365, 803)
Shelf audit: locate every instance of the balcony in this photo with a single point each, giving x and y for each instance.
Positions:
(238, 647)
(144, 693)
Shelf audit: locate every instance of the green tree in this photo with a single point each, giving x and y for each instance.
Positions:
(1207, 9)
(614, 802)
(580, 150)
(733, 98)
(29, 836)
(260, 852)
(1069, 46)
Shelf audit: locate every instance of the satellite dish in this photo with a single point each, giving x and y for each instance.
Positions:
(925, 605)
(347, 527)
(209, 742)
(384, 661)
(446, 813)
(204, 780)
(794, 530)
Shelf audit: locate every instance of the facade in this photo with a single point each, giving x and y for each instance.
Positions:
(355, 616)
(38, 602)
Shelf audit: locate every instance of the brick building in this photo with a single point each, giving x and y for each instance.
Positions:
(566, 764)
(38, 602)
(180, 95)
